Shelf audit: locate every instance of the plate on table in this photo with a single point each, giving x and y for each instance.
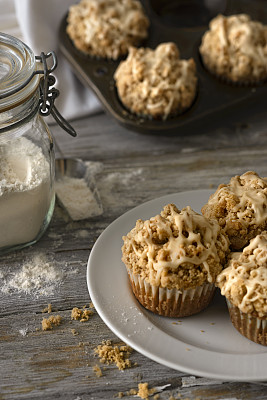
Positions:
(205, 344)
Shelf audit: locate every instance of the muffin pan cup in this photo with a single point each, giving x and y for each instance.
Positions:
(217, 103)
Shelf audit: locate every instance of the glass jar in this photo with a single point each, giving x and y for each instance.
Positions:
(27, 161)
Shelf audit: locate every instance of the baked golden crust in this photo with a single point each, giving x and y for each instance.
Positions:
(107, 28)
(156, 83)
(240, 207)
(235, 47)
(244, 281)
(177, 249)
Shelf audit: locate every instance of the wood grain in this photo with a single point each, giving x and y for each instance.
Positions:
(130, 169)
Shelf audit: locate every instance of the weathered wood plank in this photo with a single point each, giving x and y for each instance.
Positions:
(129, 169)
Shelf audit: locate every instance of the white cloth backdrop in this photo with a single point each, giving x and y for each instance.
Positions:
(36, 22)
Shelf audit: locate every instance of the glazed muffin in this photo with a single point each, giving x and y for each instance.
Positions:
(244, 284)
(156, 83)
(107, 28)
(173, 260)
(240, 207)
(235, 49)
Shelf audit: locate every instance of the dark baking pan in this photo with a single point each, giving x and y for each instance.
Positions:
(183, 22)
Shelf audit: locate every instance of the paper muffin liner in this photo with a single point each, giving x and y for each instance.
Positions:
(251, 327)
(161, 118)
(171, 302)
(229, 81)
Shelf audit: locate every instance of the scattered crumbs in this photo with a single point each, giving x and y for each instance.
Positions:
(81, 315)
(211, 185)
(187, 349)
(74, 332)
(212, 323)
(175, 323)
(47, 309)
(201, 330)
(47, 323)
(23, 331)
(91, 305)
(118, 355)
(97, 371)
(144, 392)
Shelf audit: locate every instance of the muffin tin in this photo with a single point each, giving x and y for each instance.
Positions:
(183, 22)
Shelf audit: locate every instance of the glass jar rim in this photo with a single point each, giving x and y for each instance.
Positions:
(17, 66)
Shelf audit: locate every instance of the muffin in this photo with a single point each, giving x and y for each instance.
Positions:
(244, 284)
(107, 28)
(235, 49)
(156, 83)
(240, 207)
(173, 260)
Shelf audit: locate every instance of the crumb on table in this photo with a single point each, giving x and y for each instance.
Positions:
(118, 355)
(47, 309)
(97, 371)
(81, 315)
(47, 323)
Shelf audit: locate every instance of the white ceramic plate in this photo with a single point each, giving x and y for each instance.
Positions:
(205, 344)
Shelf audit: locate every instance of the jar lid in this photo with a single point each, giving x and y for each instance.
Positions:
(16, 68)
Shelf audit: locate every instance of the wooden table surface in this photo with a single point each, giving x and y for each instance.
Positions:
(130, 169)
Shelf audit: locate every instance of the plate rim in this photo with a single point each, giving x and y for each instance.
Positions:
(147, 353)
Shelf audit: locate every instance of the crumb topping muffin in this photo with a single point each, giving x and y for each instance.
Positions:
(244, 281)
(176, 249)
(235, 48)
(107, 28)
(240, 207)
(156, 83)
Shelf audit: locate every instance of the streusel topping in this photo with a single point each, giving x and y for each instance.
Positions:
(244, 281)
(107, 28)
(156, 82)
(176, 249)
(240, 207)
(236, 47)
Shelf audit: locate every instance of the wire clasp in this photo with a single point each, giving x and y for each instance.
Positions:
(48, 94)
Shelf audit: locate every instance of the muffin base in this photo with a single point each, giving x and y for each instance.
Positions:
(227, 80)
(171, 302)
(251, 327)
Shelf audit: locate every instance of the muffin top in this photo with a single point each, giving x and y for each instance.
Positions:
(244, 281)
(235, 47)
(176, 249)
(239, 205)
(156, 82)
(107, 28)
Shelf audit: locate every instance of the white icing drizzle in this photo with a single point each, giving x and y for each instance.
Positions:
(193, 242)
(251, 195)
(238, 33)
(249, 270)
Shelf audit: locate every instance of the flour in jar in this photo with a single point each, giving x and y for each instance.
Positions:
(25, 191)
